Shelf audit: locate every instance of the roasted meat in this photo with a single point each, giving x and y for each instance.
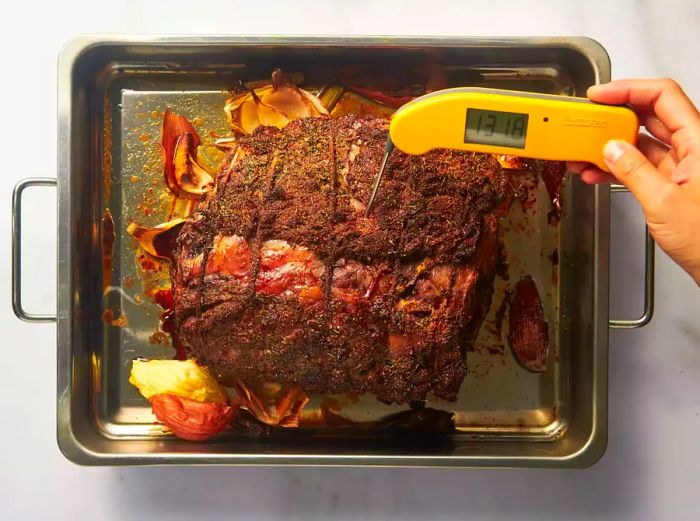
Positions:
(279, 277)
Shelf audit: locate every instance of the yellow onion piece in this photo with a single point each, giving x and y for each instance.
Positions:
(158, 241)
(184, 176)
(183, 378)
(271, 403)
(276, 105)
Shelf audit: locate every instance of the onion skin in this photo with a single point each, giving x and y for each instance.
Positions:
(529, 331)
(275, 104)
(189, 419)
(184, 176)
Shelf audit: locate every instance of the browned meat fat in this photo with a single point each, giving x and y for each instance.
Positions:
(279, 276)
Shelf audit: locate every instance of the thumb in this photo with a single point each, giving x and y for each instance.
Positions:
(635, 171)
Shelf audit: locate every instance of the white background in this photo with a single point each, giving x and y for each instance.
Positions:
(651, 468)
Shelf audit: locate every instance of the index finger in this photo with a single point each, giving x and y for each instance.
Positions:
(664, 97)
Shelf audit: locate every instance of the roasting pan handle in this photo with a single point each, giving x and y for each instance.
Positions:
(649, 253)
(17, 249)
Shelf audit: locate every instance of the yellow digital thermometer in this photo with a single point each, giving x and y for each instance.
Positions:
(526, 124)
(538, 126)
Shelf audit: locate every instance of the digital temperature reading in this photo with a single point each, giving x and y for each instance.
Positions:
(492, 127)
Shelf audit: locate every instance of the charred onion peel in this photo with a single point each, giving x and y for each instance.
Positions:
(276, 104)
(158, 241)
(184, 176)
(272, 404)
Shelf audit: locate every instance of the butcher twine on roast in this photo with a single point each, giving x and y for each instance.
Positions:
(302, 290)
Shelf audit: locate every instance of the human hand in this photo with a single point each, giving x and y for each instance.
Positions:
(663, 171)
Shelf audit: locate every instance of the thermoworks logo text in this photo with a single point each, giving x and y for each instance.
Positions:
(584, 122)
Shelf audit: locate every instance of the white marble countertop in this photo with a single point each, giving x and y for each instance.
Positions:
(651, 467)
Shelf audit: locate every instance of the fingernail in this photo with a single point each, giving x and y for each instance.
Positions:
(613, 150)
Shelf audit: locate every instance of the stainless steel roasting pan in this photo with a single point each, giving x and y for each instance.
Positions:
(504, 416)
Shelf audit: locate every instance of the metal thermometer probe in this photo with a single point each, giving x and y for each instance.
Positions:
(378, 178)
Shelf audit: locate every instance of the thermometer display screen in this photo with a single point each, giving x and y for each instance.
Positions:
(492, 127)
